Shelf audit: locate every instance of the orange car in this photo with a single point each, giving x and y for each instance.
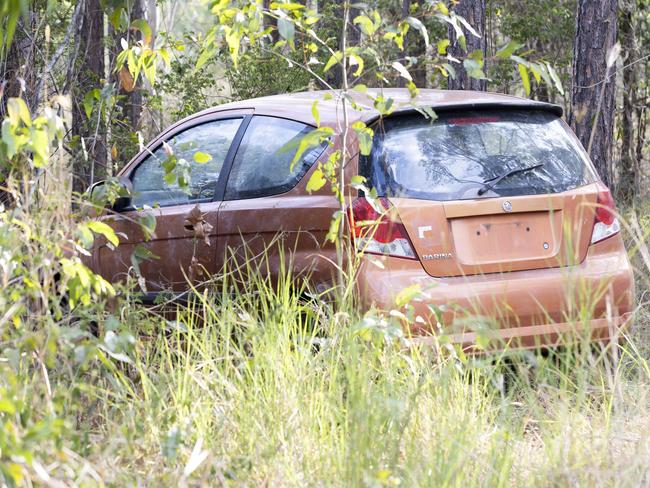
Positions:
(492, 208)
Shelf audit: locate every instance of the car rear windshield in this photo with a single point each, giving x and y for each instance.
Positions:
(460, 153)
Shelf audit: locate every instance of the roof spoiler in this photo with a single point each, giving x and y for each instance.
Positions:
(521, 105)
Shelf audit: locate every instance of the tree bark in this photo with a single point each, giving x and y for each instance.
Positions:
(594, 36)
(474, 12)
(629, 171)
(19, 69)
(90, 75)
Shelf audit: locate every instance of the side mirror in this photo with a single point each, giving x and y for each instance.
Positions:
(115, 190)
(124, 201)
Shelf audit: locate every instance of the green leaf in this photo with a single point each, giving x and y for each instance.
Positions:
(523, 72)
(442, 46)
(334, 58)
(474, 68)
(105, 230)
(506, 51)
(311, 139)
(399, 67)
(357, 60)
(286, 29)
(316, 181)
(556, 78)
(468, 26)
(417, 24)
(289, 6)
(204, 57)
(7, 406)
(428, 113)
(144, 28)
(405, 296)
(534, 69)
(314, 112)
(17, 111)
(366, 25)
(147, 223)
(365, 135)
(201, 157)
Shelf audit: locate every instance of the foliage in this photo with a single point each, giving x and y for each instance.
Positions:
(260, 74)
(261, 385)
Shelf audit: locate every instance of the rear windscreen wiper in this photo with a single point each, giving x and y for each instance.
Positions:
(490, 184)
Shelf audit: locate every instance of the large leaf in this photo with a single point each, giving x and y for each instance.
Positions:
(145, 29)
(401, 69)
(365, 135)
(316, 181)
(201, 157)
(417, 24)
(105, 230)
(334, 58)
(286, 29)
(525, 80)
(365, 24)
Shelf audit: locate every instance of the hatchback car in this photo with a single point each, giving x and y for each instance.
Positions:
(492, 208)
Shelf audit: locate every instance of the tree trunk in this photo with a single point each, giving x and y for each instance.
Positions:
(19, 69)
(474, 12)
(629, 171)
(592, 103)
(90, 75)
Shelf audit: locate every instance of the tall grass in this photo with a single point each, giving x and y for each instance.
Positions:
(261, 387)
(252, 383)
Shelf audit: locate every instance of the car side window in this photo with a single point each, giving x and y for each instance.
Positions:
(199, 151)
(262, 166)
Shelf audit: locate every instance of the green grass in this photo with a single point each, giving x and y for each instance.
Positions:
(261, 388)
(236, 392)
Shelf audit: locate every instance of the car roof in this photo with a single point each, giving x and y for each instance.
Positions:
(298, 106)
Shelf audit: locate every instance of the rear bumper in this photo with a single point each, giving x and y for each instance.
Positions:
(536, 336)
(531, 308)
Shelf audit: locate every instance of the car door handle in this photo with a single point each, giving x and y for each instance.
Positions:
(189, 227)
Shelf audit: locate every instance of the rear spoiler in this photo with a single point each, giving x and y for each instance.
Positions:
(516, 105)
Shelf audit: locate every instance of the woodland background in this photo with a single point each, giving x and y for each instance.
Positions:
(71, 49)
(259, 387)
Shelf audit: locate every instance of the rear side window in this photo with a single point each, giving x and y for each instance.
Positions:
(262, 166)
(454, 156)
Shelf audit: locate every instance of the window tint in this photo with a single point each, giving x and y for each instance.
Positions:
(454, 156)
(262, 165)
(212, 138)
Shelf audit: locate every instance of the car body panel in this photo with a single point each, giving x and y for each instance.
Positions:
(173, 246)
(466, 237)
(599, 287)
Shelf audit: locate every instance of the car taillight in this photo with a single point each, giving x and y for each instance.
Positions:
(605, 224)
(379, 232)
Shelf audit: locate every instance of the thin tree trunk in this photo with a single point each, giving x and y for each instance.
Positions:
(629, 171)
(595, 35)
(474, 12)
(19, 70)
(90, 75)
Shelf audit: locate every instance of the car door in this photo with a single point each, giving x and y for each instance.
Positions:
(267, 215)
(176, 253)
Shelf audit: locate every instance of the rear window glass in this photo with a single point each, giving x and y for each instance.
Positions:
(459, 153)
